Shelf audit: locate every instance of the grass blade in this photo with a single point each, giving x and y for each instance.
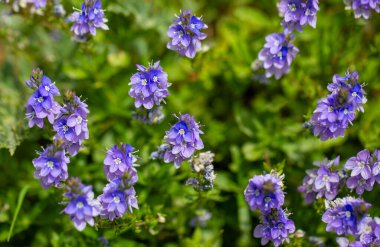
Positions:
(19, 204)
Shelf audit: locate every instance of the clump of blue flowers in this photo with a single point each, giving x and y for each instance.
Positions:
(363, 8)
(71, 123)
(322, 182)
(149, 86)
(186, 34)
(88, 19)
(344, 214)
(41, 103)
(81, 205)
(183, 139)
(277, 55)
(51, 167)
(265, 193)
(201, 164)
(336, 112)
(297, 14)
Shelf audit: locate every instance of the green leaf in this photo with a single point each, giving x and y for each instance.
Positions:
(18, 207)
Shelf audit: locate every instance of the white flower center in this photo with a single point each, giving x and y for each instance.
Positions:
(96, 11)
(307, 12)
(256, 192)
(345, 111)
(65, 128)
(361, 164)
(143, 82)
(40, 99)
(348, 214)
(50, 164)
(326, 177)
(354, 94)
(292, 7)
(116, 199)
(79, 205)
(367, 229)
(180, 33)
(117, 161)
(330, 109)
(47, 88)
(79, 120)
(155, 78)
(181, 131)
(267, 199)
(277, 42)
(192, 25)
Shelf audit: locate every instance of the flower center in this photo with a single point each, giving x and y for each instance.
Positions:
(292, 7)
(345, 111)
(40, 99)
(354, 94)
(330, 109)
(143, 82)
(79, 205)
(267, 199)
(96, 11)
(326, 177)
(155, 78)
(116, 199)
(180, 33)
(368, 229)
(79, 120)
(192, 26)
(277, 42)
(117, 161)
(256, 192)
(348, 214)
(50, 164)
(181, 131)
(361, 164)
(47, 88)
(65, 128)
(307, 12)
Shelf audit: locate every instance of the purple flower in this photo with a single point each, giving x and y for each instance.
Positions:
(274, 226)
(369, 231)
(149, 86)
(264, 192)
(82, 207)
(297, 14)
(376, 165)
(88, 19)
(343, 215)
(116, 200)
(307, 187)
(361, 172)
(201, 164)
(186, 34)
(71, 123)
(38, 4)
(335, 112)
(120, 162)
(344, 242)
(183, 139)
(51, 167)
(47, 87)
(277, 55)
(363, 8)
(327, 181)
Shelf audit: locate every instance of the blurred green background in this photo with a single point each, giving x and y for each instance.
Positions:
(246, 123)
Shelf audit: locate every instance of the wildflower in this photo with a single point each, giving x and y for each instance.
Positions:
(186, 34)
(274, 226)
(327, 180)
(277, 55)
(81, 206)
(88, 19)
(116, 199)
(149, 86)
(297, 14)
(363, 8)
(183, 139)
(264, 192)
(307, 187)
(151, 116)
(51, 167)
(335, 112)
(120, 162)
(202, 165)
(343, 215)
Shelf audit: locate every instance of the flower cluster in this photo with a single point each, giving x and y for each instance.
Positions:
(120, 162)
(186, 34)
(264, 193)
(363, 8)
(277, 55)
(51, 167)
(297, 14)
(117, 199)
(183, 139)
(201, 164)
(88, 19)
(119, 196)
(81, 205)
(71, 123)
(149, 86)
(344, 214)
(41, 103)
(335, 112)
(322, 182)
(274, 226)
(365, 170)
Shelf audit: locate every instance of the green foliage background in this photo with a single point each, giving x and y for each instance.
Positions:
(246, 123)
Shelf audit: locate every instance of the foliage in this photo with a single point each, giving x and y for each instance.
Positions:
(250, 126)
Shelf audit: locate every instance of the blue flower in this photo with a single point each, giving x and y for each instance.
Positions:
(363, 8)
(186, 34)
